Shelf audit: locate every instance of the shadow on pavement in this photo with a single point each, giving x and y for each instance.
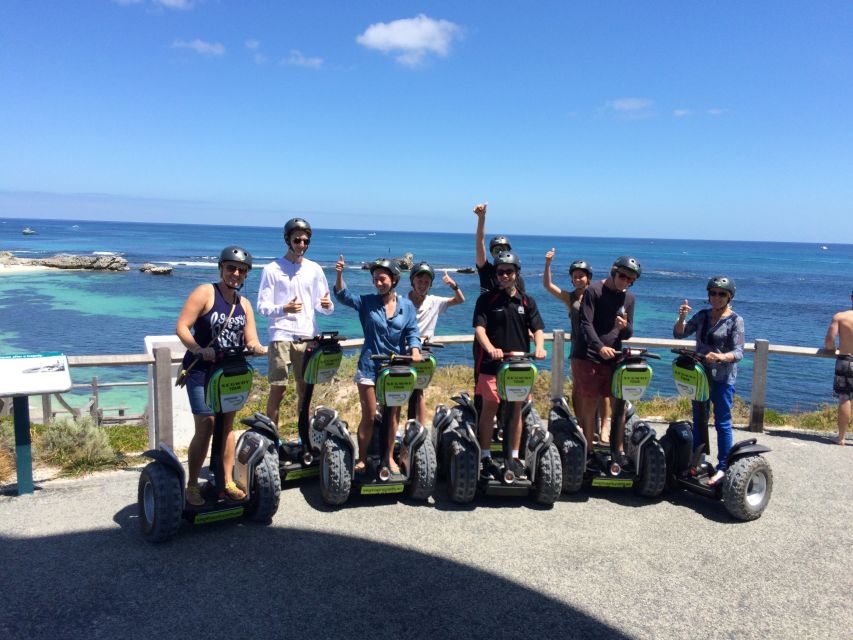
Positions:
(235, 579)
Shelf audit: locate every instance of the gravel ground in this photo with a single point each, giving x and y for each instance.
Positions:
(604, 563)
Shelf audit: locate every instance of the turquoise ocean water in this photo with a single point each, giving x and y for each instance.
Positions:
(787, 292)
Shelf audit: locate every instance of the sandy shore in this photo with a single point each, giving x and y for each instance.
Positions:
(19, 269)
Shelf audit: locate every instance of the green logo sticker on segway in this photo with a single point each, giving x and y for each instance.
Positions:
(516, 381)
(228, 390)
(322, 365)
(630, 381)
(394, 386)
(425, 370)
(691, 381)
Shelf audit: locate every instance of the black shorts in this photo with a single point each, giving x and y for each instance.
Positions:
(843, 385)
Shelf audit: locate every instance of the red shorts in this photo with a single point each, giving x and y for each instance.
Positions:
(591, 379)
(487, 387)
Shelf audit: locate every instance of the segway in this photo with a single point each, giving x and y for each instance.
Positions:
(748, 484)
(425, 370)
(415, 453)
(301, 458)
(642, 466)
(162, 484)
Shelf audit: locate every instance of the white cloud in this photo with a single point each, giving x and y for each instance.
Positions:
(716, 111)
(297, 59)
(681, 113)
(253, 45)
(630, 104)
(201, 47)
(411, 39)
(181, 5)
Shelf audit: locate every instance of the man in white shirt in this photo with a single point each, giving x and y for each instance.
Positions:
(292, 290)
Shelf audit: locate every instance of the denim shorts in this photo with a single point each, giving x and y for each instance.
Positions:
(195, 392)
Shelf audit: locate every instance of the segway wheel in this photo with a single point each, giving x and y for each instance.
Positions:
(549, 476)
(747, 487)
(463, 473)
(423, 471)
(573, 462)
(266, 489)
(653, 474)
(160, 504)
(335, 471)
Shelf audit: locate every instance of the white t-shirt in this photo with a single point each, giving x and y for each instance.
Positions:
(283, 280)
(428, 313)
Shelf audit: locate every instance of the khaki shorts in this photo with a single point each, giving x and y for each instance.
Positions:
(283, 354)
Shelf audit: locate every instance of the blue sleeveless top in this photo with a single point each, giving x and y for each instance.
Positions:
(208, 325)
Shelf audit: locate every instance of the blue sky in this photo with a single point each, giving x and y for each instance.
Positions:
(682, 119)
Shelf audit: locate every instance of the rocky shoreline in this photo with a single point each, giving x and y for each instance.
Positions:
(67, 261)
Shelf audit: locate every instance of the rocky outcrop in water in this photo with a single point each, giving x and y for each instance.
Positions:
(157, 270)
(69, 261)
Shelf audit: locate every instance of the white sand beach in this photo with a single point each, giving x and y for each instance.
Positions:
(20, 269)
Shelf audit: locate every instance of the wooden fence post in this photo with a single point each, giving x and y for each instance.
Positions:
(558, 363)
(759, 385)
(46, 408)
(163, 396)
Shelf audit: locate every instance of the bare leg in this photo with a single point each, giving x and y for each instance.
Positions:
(300, 393)
(198, 447)
(604, 414)
(392, 433)
(274, 401)
(843, 420)
(485, 426)
(228, 446)
(367, 398)
(515, 427)
(586, 415)
(421, 417)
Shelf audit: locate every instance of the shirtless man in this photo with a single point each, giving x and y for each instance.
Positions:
(842, 326)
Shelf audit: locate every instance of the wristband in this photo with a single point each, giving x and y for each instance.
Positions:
(455, 287)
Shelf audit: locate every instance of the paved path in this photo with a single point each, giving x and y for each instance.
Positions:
(606, 564)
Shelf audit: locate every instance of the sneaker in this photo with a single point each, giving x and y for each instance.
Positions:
(489, 468)
(518, 468)
(194, 496)
(717, 477)
(234, 492)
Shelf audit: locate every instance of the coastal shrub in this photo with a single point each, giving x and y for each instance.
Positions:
(7, 450)
(128, 438)
(774, 418)
(75, 446)
(824, 419)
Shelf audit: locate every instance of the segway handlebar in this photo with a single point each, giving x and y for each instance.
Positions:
(391, 357)
(634, 352)
(514, 356)
(234, 352)
(325, 337)
(690, 353)
(426, 344)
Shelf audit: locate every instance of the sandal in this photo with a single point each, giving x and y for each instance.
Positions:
(234, 492)
(360, 467)
(717, 477)
(194, 496)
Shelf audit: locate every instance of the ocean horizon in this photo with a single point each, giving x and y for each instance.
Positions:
(787, 292)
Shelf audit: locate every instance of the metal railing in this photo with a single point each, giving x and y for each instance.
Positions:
(163, 359)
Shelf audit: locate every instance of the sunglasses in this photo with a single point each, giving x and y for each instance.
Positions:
(498, 248)
(625, 276)
(505, 272)
(305, 241)
(718, 294)
(231, 268)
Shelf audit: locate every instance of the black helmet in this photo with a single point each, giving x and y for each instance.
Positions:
(583, 265)
(499, 241)
(508, 257)
(724, 283)
(296, 224)
(419, 268)
(390, 265)
(234, 253)
(627, 262)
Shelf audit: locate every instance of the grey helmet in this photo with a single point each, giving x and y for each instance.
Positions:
(389, 265)
(724, 283)
(499, 241)
(233, 253)
(583, 265)
(295, 224)
(419, 268)
(507, 257)
(627, 262)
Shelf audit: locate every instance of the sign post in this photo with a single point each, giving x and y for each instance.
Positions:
(24, 375)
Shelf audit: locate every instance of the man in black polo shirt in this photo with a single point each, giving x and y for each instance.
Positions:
(606, 319)
(498, 244)
(503, 322)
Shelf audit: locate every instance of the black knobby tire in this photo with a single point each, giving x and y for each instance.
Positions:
(335, 471)
(423, 471)
(266, 489)
(463, 473)
(549, 476)
(572, 461)
(653, 474)
(160, 502)
(747, 487)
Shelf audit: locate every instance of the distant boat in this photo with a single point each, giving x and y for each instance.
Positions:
(823, 247)
(371, 234)
(28, 231)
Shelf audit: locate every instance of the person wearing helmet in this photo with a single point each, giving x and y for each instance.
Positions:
(503, 322)
(581, 274)
(842, 327)
(215, 317)
(606, 319)
(292, 291)
(429, 307)
(719, 337)
(498, 244)
(390, 325)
